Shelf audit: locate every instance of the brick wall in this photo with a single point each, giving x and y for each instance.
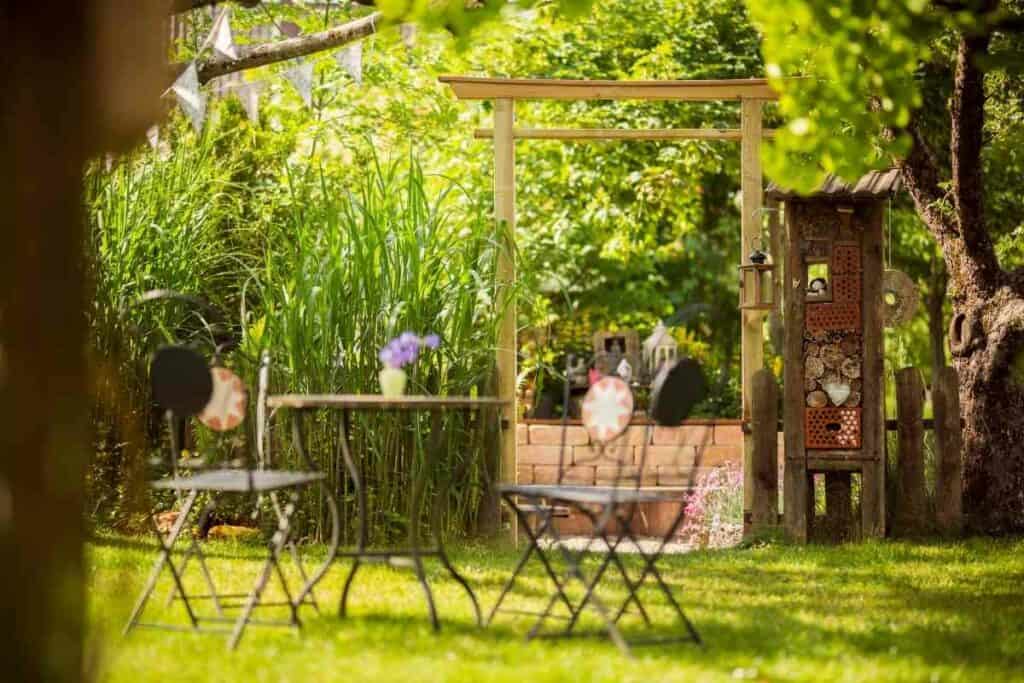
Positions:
(675, 456)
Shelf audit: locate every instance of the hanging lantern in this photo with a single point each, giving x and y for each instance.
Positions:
(756, 291)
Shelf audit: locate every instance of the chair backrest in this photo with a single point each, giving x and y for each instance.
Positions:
(262, 418)
(616, 452)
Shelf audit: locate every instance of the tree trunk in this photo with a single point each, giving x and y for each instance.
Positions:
(988, 346)
(986, 334)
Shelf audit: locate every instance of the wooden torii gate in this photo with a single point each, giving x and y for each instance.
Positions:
(503, 92)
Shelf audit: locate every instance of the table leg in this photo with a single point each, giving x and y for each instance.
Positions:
(440, 503)
(299, 442)
(345, 436)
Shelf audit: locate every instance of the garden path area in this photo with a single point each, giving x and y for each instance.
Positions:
(890, 611)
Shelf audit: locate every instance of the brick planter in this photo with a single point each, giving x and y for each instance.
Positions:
(674, 456)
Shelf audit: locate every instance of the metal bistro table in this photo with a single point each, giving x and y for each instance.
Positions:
(300, 404)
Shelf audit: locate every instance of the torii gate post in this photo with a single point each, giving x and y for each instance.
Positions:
(505, 216)
(751, 321)
(751, 93)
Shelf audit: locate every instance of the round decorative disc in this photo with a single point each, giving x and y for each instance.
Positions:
(607, 409)
(226, 408)
(181, 380)
(900, 298)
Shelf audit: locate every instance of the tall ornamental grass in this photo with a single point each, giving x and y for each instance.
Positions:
(346, 269)
(157, 220)
(321, 271)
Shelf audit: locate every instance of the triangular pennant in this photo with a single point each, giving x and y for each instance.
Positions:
(153, 136)
(301, 76)
(351, 60)
(249, 94)
(223, 39)
(408, 35)
(186, 89)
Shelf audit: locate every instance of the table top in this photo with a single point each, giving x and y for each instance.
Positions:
(379, 402)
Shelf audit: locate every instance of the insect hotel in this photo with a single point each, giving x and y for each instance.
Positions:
(833, 351)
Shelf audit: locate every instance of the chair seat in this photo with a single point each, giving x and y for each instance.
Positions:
(241, 481)
(600, 495)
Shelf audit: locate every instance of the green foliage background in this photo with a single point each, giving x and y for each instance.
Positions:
(263, 217)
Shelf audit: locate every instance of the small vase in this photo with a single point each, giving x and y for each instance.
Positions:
(392, 381)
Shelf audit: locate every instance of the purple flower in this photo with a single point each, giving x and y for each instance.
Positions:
(405, 349)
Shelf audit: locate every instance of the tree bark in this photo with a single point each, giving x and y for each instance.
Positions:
(935, 303)
(987, 330)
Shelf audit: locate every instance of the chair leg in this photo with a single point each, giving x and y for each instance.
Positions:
(574, 570)
(534, 539)
(161, 561)
(195, 549)
(277, 543)
(523, 559)
(650, 568)
(279, 511)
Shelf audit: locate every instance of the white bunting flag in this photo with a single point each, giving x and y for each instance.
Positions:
(190, 98)
(408, 35)
(153, 136)
(301, 76)
(351, 60)
(249, 94)
(223, 39)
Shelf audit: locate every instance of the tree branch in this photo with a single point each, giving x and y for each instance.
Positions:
(967, 120)
(252, 56)
(179, 6)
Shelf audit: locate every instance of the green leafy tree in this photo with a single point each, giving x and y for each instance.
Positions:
(935, 88)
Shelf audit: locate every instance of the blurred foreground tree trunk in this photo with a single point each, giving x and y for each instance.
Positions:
(74, 86)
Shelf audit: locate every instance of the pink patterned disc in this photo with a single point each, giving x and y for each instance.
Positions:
(607, 409)
(226, 408)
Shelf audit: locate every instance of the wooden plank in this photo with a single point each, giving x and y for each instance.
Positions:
(910, 504)
(949, 444)
(816, 464)
(765, 495)
(505, 219)
(598, 134)
(751, 322)
(476, 88)
(795, 474)
(370, 401)
(873, 390)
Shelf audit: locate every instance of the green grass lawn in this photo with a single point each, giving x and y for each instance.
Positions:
(888, 611)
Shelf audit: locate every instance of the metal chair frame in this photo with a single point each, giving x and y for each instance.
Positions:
(261, 481)
(603, 506)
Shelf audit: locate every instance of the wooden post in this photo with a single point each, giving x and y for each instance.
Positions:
(751, 322)
(872, 490)
(910, 504)
(776, 247)
(949, 465)
(764, 425)
(796, 490)
(505, 217)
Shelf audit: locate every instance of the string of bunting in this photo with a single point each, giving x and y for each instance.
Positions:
(194, 102)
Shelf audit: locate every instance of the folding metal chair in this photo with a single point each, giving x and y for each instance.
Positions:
(185, 385)
(611, 509)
